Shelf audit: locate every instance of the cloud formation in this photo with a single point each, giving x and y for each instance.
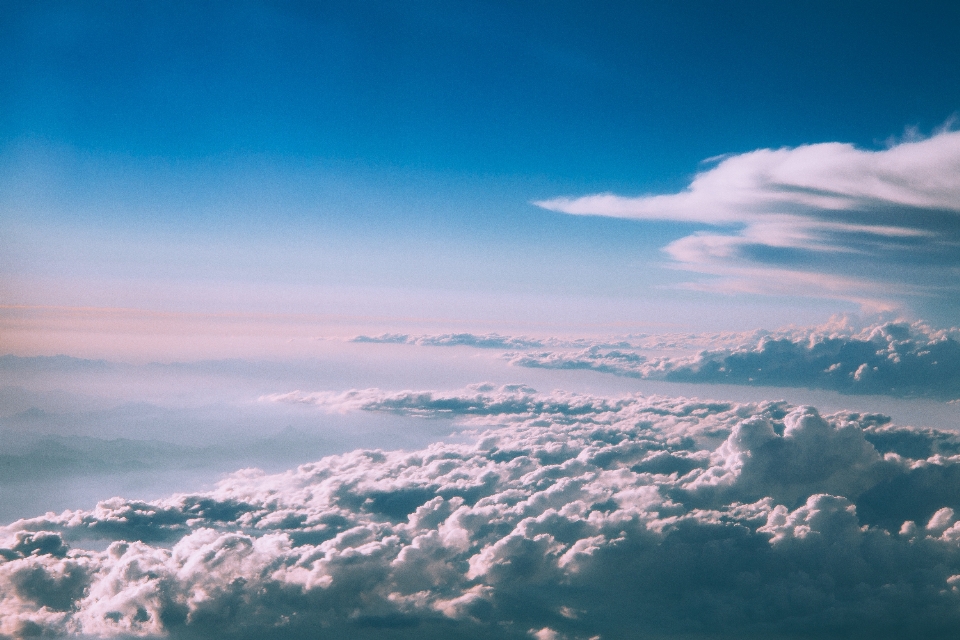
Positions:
(481, 341)
(896, 358)
(891, 358)
(645, 341)
(497, 341)
(579, 517)
(814, 220)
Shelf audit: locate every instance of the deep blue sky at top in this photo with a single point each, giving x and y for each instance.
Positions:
(447, 118)
(621, 95)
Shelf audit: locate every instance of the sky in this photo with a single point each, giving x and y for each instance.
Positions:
(340, 160)
(542, 320)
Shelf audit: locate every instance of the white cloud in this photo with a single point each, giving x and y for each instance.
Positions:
(893, 358)
(829, 176)
(583, 516)
(785, 209)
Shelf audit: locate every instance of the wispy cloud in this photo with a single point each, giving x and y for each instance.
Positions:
(812, 220)
(481, 341)
(688, 341)
(585, 516)
(503, 342)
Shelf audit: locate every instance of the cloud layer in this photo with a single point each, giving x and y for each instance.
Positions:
(481, 341)
(896, 359)
(814, 220)
(569, 516)
(889, 358)
(502, 342)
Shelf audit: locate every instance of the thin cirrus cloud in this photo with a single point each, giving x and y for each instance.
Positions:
(568, 516)
(813, 220)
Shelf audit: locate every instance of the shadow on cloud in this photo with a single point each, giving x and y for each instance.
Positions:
(567, 516)
(894, 359)
(891, 359)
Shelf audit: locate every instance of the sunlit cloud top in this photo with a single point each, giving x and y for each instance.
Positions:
(826, 220)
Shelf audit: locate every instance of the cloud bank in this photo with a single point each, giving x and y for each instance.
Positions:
(497, 341)
(823, 220)
(646, 341)
(895, 359)
(889, 358)
(569, 516)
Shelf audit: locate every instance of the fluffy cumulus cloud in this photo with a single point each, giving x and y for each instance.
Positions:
(814, 220)
(567, 516)
(892, 358)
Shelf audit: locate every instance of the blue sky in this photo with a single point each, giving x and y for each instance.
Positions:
(342, 159)
(615, 95)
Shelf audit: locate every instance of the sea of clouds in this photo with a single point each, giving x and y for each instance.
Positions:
(564, 516)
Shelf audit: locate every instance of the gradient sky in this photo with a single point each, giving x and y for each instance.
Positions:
(449, 264)
(349, 165)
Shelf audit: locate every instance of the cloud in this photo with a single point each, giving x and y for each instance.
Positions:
(490, 341)
(618, 362)
(482, 400)
(830, 176)
(568, 516)
(648, 341)
(814, 220)
(894, 358)
(483, 341)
